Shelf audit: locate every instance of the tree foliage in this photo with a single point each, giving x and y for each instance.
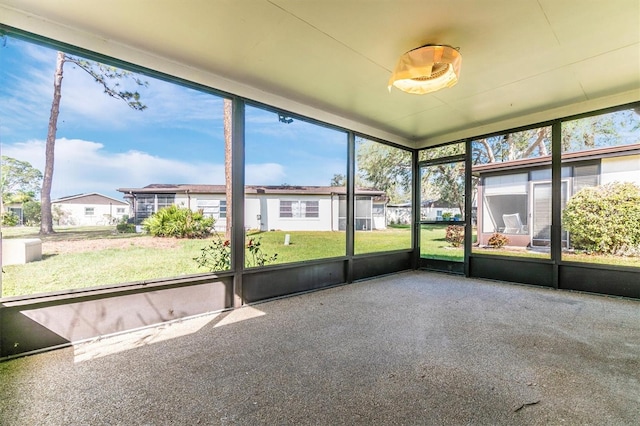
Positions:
(385, 168)
(512, 146)
(31, 213)
(339, 179)
(600, 131)
(605, 219)
(20, 181)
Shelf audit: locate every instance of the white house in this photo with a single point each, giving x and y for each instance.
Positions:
(287, 208)
(91, 209)
(429, 210)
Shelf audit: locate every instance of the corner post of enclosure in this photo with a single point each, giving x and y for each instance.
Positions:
(468, 207)
(556, 198)
(351, 184)
(237, 194)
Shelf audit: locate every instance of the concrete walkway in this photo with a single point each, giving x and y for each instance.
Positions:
(416, 348)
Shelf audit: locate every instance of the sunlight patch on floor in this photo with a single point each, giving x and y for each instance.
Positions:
(111, 345)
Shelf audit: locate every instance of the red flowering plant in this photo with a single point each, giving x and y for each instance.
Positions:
(256, 257)
(217, 255)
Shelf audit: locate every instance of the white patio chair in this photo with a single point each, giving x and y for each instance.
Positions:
(513, 224)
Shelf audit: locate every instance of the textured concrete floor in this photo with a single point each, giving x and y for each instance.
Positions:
(412, 349)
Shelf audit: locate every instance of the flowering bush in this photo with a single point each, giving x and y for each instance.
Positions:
(605, 219)
(498, 240)
(217, 255)
(455, 235)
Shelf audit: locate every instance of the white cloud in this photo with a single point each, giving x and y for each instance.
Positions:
(27, 93)
(84, 166)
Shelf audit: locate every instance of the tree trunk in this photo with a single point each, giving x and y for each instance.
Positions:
(227, 111)
(538, 143)
(487, 147)
(46, 222)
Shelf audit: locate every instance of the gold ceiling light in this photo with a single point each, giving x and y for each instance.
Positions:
(427, 69)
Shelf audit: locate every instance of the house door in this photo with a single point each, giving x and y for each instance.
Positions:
(442, 220)
(541, 214)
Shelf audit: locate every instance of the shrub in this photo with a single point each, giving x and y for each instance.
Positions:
(256, 257)
(498, 240)
(447, 216)
(455, 235)
(605, 219)
(178, 222)
(124, 226)
(217, 255)
(31, 213)
(10, 219)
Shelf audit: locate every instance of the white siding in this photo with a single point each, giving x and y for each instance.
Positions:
(268, 208)
(620, 169)
(76, 214)
(506, 184)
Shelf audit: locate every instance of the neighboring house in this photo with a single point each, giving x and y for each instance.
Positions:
(90, 209)
(16, 209)
(429, 210)
(287, 208)
(514, 198)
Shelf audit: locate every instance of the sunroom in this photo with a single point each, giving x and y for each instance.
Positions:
(287, 93)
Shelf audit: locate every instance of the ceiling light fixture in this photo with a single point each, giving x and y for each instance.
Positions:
(427, 69)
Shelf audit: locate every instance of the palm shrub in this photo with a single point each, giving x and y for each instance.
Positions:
(605, 219)
(178, 222)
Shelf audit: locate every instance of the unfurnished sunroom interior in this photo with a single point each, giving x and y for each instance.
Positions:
(526, 65)
(484, 182)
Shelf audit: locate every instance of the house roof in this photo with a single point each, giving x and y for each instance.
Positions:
(585, 155)
(249, 189)
(88, 198)
(523, 62)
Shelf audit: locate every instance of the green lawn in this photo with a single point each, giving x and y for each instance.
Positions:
(433, 244)
(131, 262)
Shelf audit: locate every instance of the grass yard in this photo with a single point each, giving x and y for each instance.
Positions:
(433, 244)
(75, 258)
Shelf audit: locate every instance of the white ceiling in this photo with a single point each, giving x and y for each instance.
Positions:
(523, 61)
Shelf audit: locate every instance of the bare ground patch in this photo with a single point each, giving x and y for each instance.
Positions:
(80, 246)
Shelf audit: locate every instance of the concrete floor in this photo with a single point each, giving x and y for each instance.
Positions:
(414, 348)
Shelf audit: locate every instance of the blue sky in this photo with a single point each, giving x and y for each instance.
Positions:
(102, 144)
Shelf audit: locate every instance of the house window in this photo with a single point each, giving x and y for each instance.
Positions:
(148, 204)
(88, 211)
(223, 209)
(299, 209)
(213, 208)
(120, 210)
(165, 200)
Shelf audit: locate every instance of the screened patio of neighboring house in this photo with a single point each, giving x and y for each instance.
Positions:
(514, 197)
(362, 230)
